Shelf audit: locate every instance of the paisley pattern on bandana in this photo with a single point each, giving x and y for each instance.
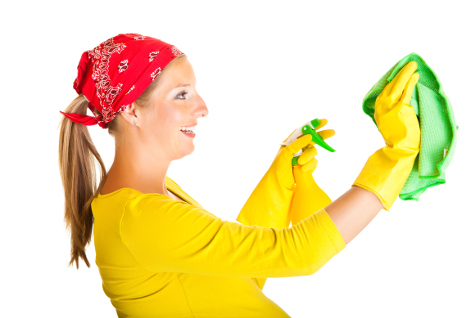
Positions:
(155, 73)
(152, 56)
(115, 73)
(123, 66)
(100, 74)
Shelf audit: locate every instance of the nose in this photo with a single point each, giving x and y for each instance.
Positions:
(201, 108)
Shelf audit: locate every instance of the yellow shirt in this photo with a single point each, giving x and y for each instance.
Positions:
(160, 257)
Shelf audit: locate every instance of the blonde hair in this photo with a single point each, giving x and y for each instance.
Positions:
(77, 167)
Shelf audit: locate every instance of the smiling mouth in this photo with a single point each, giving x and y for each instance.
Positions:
(188, 130)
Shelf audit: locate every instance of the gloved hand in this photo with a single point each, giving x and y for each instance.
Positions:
(269, 203)
(307, 160)
(387, 170)
(308, 197)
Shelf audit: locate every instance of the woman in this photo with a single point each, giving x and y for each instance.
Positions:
(161, 254)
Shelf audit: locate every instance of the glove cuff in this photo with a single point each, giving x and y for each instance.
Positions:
(386, 172)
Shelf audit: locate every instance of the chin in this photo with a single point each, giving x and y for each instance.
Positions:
(187, 151)
(190, 151)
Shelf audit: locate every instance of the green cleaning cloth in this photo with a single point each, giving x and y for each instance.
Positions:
(438, 130)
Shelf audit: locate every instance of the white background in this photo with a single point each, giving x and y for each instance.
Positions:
(263, 69)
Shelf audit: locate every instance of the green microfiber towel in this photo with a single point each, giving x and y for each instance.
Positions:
(438, 130)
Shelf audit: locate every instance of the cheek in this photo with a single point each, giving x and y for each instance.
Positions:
(167, 121)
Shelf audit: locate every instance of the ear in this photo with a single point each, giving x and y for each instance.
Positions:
(129, 113)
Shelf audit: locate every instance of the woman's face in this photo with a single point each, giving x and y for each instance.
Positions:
(175, 106)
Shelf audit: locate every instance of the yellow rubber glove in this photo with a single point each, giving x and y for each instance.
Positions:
(269, 204)
(308, 197)
(387, 170)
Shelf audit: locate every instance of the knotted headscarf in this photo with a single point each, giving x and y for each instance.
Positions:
(114, 74)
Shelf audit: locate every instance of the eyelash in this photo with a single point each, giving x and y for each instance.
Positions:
(182, 93)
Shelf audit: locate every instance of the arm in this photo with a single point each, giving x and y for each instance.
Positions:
(352, 211)
(270, 203)
(267, 206)
(168, 235)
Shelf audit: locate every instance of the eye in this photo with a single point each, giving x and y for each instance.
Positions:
(182, 95)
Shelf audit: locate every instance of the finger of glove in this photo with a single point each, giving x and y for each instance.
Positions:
(299, 143)
(309, 153)
(289, 135)
(405, 73)
(310, 166)
(323, 122)
(406, 97)
(328, 133)
(389, 87)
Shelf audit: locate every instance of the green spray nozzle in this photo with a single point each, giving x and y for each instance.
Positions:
(307, 130)
(315, 123)
(316, 138)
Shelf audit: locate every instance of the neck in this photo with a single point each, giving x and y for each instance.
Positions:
(139, 168)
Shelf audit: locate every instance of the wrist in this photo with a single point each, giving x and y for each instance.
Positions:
(386, 172)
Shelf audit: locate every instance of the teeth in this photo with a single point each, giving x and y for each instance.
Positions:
(188, 129)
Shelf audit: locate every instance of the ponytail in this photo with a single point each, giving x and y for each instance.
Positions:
(77, 155)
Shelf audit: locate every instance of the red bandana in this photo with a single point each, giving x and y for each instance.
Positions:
(115, 73)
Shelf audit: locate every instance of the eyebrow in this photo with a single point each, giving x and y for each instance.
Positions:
(184, 85)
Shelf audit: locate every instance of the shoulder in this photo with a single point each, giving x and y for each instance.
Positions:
(143, 203)
(143, 210)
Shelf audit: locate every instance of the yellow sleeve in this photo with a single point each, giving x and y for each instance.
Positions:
(268, 206)
(173, 236)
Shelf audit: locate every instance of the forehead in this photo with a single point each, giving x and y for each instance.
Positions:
(181, 72)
